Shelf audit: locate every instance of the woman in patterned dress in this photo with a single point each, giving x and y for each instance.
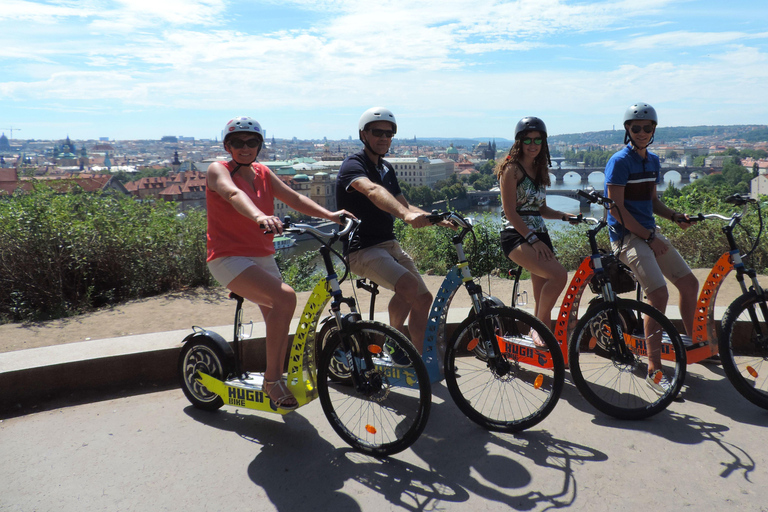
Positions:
(523, 177)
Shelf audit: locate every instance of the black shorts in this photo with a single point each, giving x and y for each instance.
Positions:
(510, 239)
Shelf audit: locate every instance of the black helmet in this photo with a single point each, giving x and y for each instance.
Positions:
(528, 124)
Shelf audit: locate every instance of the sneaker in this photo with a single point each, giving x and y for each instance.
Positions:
(658, 382)
(397, 355)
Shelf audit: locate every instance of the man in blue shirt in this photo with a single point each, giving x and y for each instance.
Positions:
(367, 186)
(631, 176)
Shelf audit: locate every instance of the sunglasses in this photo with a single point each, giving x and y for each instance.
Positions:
(648, 128)
(527, 141)
(382, 133)
(240, 143)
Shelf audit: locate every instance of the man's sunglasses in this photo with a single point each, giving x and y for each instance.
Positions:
(382, 133)
(240, 143)
(648, 128)
(527, 141)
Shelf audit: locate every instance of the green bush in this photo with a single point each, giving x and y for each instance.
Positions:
(61, 254)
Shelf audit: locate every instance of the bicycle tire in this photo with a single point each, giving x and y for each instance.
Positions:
(744, 353)
(375, 415)
(514, 392)
(615, 383)
(201, 355)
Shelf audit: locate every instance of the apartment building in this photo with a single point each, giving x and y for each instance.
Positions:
(421, 171)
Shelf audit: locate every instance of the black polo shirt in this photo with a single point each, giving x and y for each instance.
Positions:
(376, 225)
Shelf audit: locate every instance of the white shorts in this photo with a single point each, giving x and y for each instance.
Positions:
(225, 269)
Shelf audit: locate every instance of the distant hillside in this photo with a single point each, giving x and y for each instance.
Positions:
(750, 133)
(456, 141)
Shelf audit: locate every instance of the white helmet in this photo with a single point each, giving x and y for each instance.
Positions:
(376, 114)
(242, 124)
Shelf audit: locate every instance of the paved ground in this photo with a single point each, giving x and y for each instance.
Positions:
(154, 452)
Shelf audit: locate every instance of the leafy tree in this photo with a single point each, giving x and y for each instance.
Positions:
(486, 168)
(421, 196)
(485, 183)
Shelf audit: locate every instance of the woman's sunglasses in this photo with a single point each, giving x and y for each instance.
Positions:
(527, 141)
(648, 128)
(240, 143)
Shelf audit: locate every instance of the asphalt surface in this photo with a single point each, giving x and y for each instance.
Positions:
(155, 452)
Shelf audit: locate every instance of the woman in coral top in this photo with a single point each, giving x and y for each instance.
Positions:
(240, 197)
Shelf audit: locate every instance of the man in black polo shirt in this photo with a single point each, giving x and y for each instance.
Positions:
(367, 187)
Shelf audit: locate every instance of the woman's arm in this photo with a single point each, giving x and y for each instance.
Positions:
(302, 203)
(549, 213)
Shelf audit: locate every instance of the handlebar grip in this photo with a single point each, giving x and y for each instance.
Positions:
(739, 200)
(693, 218)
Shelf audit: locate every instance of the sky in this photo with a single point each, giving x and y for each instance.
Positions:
(143, 69)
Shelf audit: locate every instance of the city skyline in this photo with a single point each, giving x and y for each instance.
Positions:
(136, 69)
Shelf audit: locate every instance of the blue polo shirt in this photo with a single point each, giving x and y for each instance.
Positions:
(638, 176)
(376, 225)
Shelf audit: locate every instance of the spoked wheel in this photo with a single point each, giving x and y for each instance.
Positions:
(744, 347)
(608, 357)
(201, 356)
(519, 386)
(386, 407)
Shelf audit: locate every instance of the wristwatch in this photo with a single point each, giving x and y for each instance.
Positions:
(651, 236)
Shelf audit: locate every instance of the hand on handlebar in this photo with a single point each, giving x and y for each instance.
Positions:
(270, 224)
(341, 216)
(574, 220)
(417, 220)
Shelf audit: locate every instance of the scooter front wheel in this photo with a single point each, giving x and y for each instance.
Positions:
(201, 356)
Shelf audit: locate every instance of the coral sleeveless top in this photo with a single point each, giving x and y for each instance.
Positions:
(231, 234)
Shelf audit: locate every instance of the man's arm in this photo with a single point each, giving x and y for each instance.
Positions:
(616, 194)
(397, 206)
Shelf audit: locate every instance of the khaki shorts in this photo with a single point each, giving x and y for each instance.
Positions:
(225, 269)
(649, 270)
(384, 264)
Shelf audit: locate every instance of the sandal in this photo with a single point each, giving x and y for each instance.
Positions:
(285, 401)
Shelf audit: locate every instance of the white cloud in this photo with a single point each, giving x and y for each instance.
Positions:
(681, 39)
(480, 61)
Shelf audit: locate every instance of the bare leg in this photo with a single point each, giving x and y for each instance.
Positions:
(658, 298)
(688, 287)
(277, 302)
(405, 303)
(548, 278)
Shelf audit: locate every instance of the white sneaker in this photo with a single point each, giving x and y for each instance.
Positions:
(658, 382)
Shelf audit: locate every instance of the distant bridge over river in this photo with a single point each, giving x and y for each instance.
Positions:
(584, 172)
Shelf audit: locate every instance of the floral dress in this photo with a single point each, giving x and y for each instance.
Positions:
(529, 199)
